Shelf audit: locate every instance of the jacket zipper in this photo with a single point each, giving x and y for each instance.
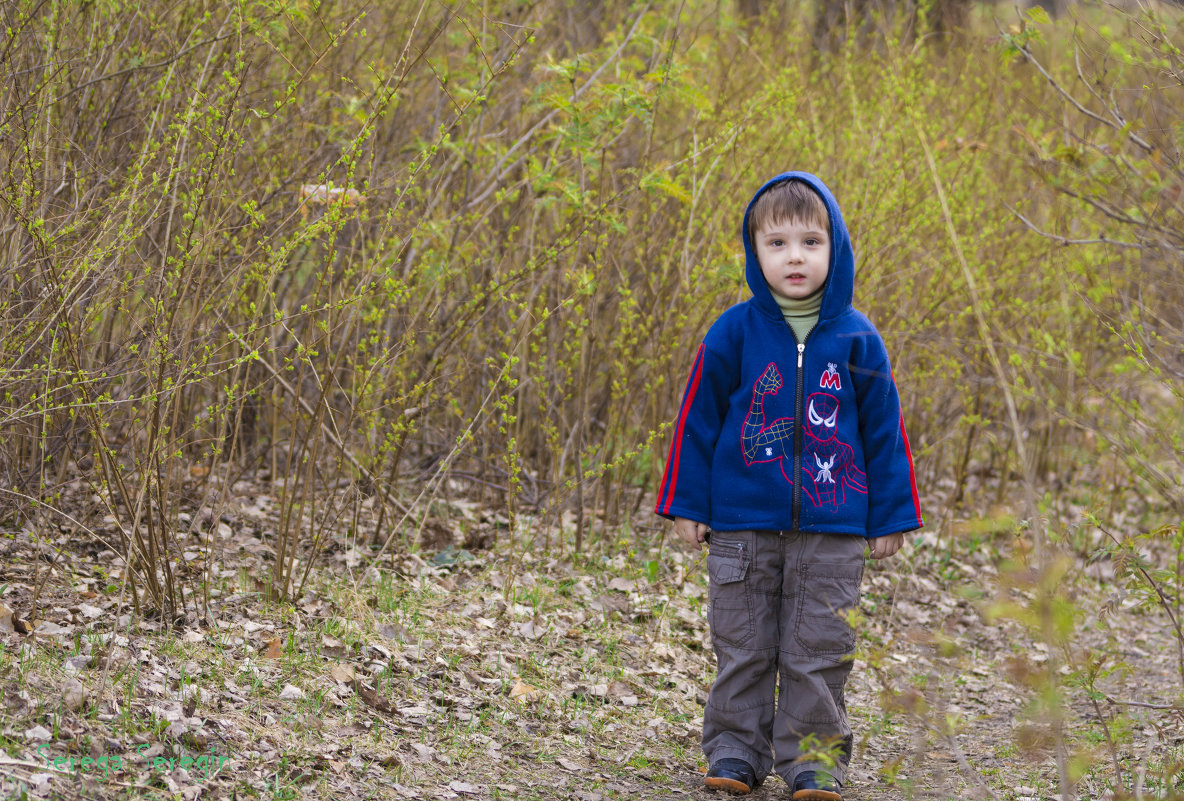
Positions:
(798, 436)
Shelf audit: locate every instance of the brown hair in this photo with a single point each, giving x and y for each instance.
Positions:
(791, 200)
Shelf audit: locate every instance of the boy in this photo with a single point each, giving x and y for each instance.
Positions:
(790, 448)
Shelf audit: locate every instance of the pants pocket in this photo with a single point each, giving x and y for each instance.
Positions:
(827, 592)
(730, 613)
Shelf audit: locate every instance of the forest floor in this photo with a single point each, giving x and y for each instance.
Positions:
(497, 673)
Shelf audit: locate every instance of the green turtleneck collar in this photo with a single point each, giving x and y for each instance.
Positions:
(801, 314)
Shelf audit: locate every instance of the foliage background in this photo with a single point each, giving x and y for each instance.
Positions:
(540, 222)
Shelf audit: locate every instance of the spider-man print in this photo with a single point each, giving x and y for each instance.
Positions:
(772, 442)
(828, 462)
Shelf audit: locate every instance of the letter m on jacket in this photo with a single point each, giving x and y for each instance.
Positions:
(830, 379)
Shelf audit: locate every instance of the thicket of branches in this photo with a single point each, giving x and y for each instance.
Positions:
(390, 252)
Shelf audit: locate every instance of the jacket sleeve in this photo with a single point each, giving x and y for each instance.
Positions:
(893, 503)
(685, 490)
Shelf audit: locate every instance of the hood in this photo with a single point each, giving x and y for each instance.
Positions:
(838, 291)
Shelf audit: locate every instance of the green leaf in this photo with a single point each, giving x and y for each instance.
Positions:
(666, 185)
(1039, 16)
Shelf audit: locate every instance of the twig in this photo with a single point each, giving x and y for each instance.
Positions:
(1032, 507)
(1163, 599)
(971, 775)
(1109, 740)
(1064, 240)
(332, 437)
(16, 763)
(1138, 140)
(497, 173)
(157, 65)
(1145, 705)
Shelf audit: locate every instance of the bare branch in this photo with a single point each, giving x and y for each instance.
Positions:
(1063, 240)
(1143, 704)
(333, 438)
(1138, 140)
(497, 172)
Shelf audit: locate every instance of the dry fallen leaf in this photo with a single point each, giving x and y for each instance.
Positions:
(344, 674)
(274, 649)
(51, 629)
(530, 630)
(622, 584)
(332, 647)
(619, 689)
(38, 734)
(525, 692)
(6, 620)
(90, 612)
(74, 695)
(372, 698)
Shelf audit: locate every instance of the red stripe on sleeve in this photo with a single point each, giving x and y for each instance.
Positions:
(676, 447)
(908, 452)
(912, 473)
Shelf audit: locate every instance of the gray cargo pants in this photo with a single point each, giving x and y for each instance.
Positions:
(776, 605)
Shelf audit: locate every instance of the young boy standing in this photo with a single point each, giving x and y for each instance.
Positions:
(790, 449)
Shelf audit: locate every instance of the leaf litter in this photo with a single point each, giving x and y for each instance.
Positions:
(443, 677)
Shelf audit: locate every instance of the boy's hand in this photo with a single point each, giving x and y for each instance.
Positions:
(883, 547)
(691, 533)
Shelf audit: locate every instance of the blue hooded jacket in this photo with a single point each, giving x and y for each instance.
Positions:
(780, 435)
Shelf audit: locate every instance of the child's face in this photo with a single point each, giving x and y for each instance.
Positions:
(794, 256)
